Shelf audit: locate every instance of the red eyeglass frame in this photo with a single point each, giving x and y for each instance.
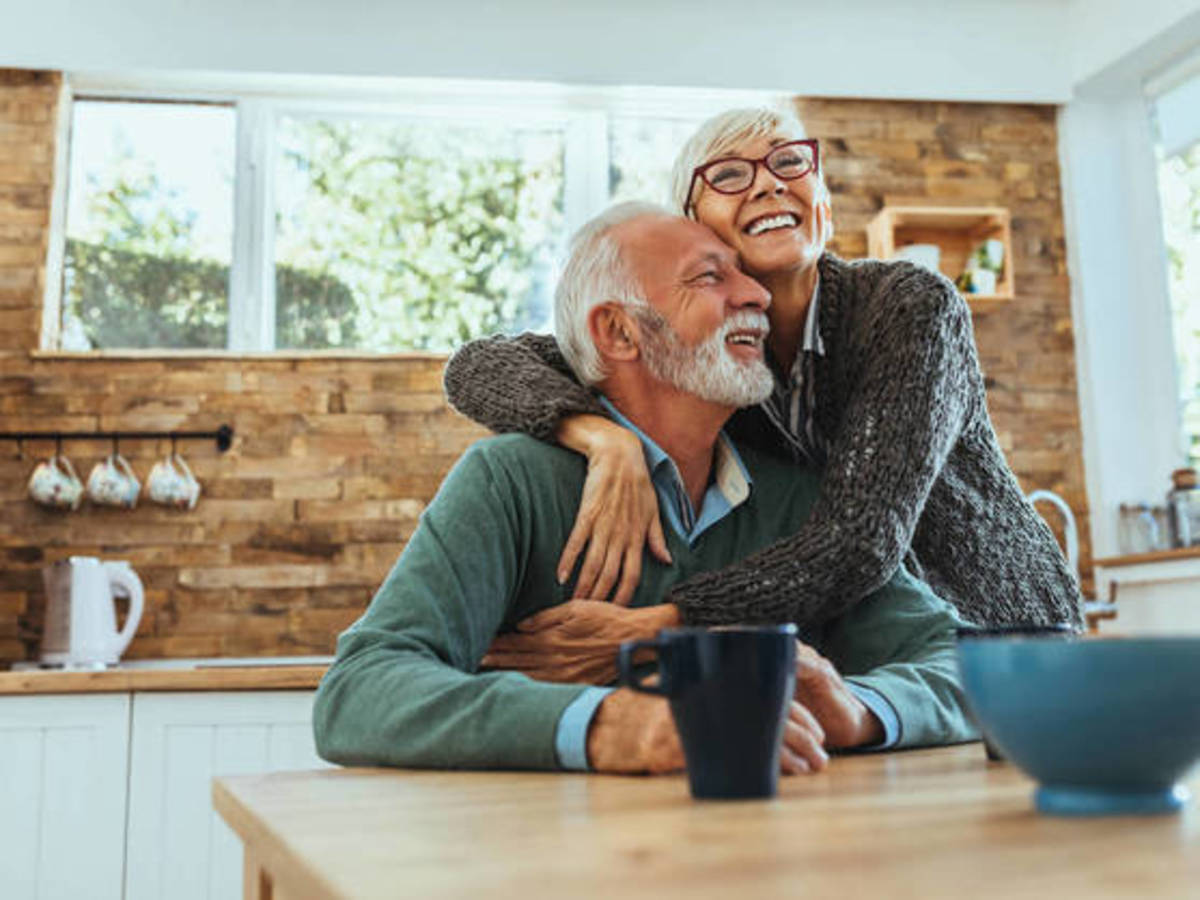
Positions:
(812, 143)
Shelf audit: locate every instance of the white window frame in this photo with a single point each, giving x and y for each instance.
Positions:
(583, 113)
(1169, 141)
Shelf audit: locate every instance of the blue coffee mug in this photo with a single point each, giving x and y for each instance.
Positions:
(729, 690)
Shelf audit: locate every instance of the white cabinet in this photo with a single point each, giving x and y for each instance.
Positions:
(1154, 593)
(177, 845)
(104, 796)
(63, 766)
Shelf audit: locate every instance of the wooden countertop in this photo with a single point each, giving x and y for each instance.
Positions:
(1137, 559)
(201, 678)
(928, 823)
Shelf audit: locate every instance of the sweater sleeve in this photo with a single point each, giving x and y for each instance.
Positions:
(900, 642)
(404, 689)
(520, 383)
(908, 407)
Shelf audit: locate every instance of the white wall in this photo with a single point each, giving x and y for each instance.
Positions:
(1124, 351)
(1004, 50)
(1104, 31)
(1117, 258)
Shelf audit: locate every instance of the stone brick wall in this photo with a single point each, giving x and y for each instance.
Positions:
(980, 154)
(335, 458)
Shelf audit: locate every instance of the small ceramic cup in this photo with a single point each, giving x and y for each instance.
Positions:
(172, 483)
(112, 483)
(55, 484)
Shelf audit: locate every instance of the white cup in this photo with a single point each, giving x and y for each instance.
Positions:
(112, 483)
(172, 483)
(55, 484)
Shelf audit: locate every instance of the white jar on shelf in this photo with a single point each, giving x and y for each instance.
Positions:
(1137, 529)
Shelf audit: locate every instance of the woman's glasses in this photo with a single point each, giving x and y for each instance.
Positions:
(734, 174)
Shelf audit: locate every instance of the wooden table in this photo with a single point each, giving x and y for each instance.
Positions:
(917, 824)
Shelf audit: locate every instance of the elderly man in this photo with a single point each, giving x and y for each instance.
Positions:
(653, 311)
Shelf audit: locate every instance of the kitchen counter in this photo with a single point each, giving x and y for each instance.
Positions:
(1152, 593)
(1156, 556)
(265, 674)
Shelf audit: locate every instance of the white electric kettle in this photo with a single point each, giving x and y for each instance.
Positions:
(81, 617)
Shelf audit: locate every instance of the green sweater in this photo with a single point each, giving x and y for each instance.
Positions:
(405, 688)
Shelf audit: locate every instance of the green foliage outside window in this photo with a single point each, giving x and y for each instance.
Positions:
(389, 236)
(1179, 183)
(126, 299)
(442, 232)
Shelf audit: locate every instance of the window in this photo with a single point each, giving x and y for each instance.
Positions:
(412, 234)
(285, 220)
(149, 226)
(641, 151)
(1177, 116)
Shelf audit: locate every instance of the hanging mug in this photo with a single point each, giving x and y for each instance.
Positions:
(55, 484)
(112, 483)
(172, 483)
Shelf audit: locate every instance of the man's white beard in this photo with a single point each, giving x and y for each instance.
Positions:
(706, 370)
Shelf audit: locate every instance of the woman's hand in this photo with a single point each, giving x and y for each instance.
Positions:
(618, 513)
(577, 641)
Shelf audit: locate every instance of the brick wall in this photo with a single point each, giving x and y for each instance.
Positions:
(980, 154)
(335, 458)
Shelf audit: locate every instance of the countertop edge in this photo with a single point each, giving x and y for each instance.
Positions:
(222, 678)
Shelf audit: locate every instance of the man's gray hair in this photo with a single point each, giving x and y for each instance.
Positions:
(720, 135)
(596, 272)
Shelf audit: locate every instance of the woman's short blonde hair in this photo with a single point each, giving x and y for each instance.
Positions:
(718, 137)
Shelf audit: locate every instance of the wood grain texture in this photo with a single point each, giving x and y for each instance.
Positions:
(231, 678)
(337, 454)
(929, 823)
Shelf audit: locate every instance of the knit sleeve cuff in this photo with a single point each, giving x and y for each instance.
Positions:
(544, 424)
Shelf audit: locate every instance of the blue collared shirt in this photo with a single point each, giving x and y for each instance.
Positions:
(729, 488)
(792, 403)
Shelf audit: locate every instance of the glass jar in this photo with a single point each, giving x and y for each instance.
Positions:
(1184, 504)
(1137, 529)
(1162, 519)
(1143, 529)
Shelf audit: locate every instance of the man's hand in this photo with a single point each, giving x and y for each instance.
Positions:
(803, 743)
(844, 719)
(633, 733)
(576, 642)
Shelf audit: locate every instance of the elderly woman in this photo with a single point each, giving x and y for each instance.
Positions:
(877, 385)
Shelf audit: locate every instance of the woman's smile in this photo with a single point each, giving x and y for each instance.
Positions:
(773, 224)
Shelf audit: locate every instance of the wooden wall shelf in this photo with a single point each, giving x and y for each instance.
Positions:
(957, 230)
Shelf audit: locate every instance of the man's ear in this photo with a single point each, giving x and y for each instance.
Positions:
(613, 331)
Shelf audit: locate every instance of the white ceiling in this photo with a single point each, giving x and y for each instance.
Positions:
(1031, 50)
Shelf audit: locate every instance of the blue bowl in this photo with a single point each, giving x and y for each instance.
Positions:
(1105, 726)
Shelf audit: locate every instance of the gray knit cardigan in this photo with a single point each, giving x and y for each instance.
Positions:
(914, 473)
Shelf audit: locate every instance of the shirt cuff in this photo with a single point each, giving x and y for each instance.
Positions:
(570, 739)
(884, 711)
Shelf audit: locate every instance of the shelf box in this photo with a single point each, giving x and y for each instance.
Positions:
(956, 230)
